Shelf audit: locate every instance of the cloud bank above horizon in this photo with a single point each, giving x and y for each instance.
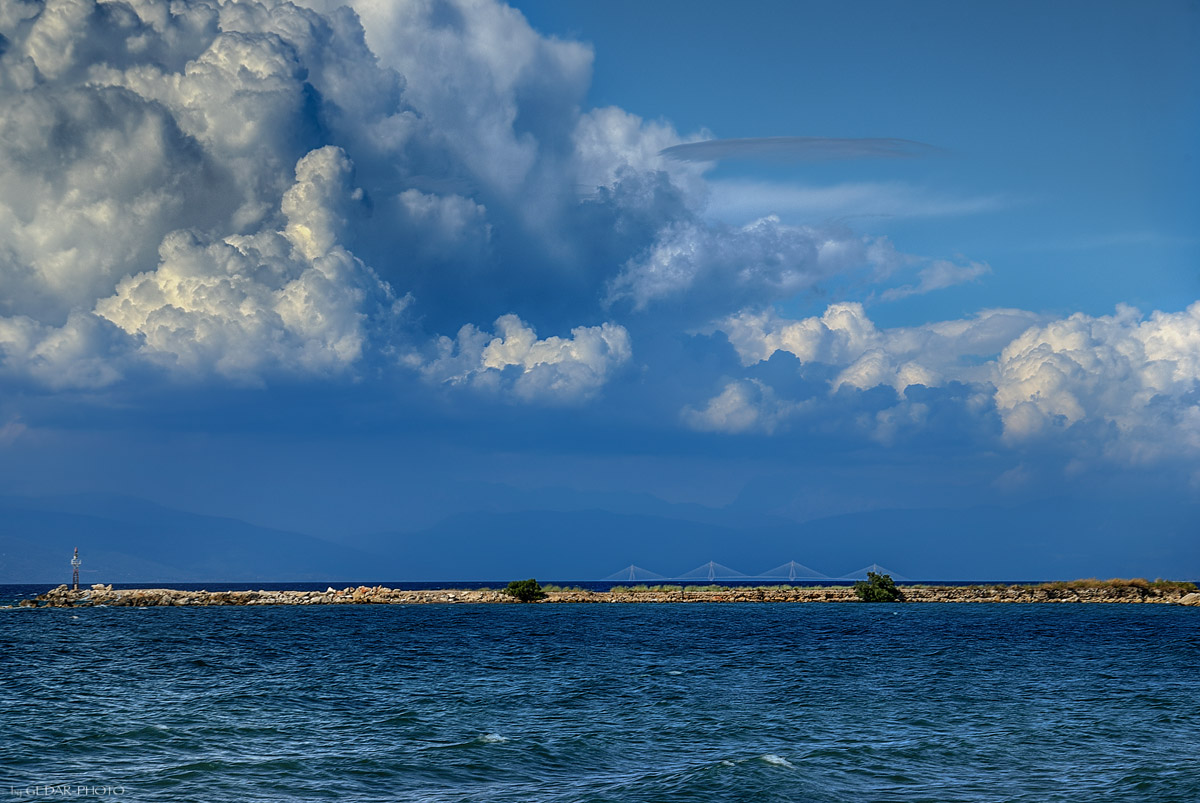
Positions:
(242, 193)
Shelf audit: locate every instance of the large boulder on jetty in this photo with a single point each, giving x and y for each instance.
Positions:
(59, 597)
(1190, 599)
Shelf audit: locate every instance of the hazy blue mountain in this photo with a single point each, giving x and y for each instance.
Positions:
(453, 499)
(130, 540)
(970, 543)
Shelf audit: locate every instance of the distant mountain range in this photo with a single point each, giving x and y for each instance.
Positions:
(126, 540)
(130, 540)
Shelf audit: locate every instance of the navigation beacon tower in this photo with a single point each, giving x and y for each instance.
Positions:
(75, 564)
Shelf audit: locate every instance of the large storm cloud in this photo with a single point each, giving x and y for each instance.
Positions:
(207, 178)
(234, 192)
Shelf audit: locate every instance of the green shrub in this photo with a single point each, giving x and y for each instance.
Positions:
(878, 588)
(525, 590)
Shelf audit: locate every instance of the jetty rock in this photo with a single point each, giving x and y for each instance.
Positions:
(1073, 592)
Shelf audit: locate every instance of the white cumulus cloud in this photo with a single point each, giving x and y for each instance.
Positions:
(79, 354)
(764, 260)
(290, 300)
(1139, 376)
(514, 362)
(176, 184)
(1129, 382)
(742, 406)
(844, 335)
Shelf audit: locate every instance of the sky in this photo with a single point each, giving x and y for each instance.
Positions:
(358, 269)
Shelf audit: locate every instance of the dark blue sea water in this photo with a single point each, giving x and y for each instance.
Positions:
(612, 702)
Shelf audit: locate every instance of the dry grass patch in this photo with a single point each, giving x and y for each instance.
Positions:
(1119, 584)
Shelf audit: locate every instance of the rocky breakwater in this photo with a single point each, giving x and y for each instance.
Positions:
(1074, 592)
(1054, 592)
(101, 595)
(711, 594)
(105, 595)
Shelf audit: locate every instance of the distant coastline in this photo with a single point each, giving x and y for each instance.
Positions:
(1076, 591)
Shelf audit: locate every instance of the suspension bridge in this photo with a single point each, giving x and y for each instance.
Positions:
(713, 571)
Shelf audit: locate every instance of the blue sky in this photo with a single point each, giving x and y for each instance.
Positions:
(1071, 124)
(357, 271)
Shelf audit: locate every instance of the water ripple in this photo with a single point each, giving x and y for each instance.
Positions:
(605, 703)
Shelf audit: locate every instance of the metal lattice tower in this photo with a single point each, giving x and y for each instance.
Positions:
(75, 564)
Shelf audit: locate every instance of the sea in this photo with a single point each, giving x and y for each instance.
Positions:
(601, 702)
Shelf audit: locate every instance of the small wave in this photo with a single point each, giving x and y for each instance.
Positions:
(675, 672)
(492, 738)
(778, 761)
